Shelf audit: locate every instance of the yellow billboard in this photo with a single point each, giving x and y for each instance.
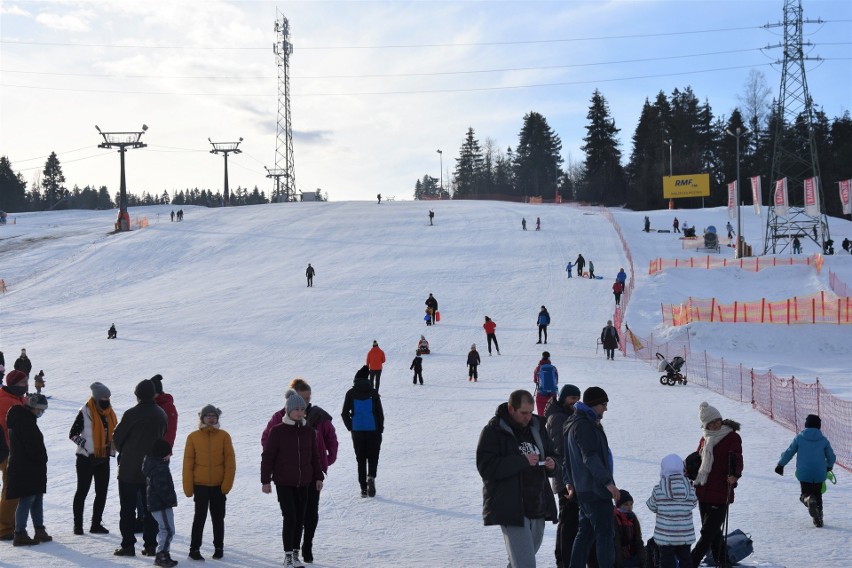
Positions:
(694, 185)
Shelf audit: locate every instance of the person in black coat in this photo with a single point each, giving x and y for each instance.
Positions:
(26, 476)
(514, 457)
(473, 361)
(23, 363)
(432, 303)
(364, 417)
(580, 263)
(161, 497)
(417, 367)
(4, 449)
(309, 273)
(610, 340)
(134, 438)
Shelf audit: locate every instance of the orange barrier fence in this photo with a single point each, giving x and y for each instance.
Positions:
(822, 307)
(618, 315)
(752, 263)
(837, 285)
(786, 401)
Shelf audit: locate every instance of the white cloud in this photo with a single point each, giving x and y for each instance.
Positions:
(76, 22)
(14, 11)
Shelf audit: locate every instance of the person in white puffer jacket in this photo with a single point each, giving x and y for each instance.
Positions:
(673, 500)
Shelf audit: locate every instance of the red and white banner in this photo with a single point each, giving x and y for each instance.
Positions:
(732, 200)
(756, 197)
(812, 197)
(779, 199)
(845, 188)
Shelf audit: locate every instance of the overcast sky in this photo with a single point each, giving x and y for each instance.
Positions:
(376, 87)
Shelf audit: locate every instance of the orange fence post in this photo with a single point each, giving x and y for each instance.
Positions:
(788, 312)
(713, 309)
(735, 311)
(762, 309)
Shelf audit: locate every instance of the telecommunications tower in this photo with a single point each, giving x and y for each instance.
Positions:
(284, 166)
(794, 155)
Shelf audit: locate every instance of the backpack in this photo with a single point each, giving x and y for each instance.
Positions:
(693, 464)
(547, 379)
(363, 419)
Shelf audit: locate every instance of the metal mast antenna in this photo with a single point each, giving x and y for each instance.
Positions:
(794, 154)
(284, 163)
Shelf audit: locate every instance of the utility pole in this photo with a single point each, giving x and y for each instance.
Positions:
(740, 133)
(226, 148)
(284, 157)
(441, 157)
(122, 141)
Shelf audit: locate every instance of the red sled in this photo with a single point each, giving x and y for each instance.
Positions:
(437, 316)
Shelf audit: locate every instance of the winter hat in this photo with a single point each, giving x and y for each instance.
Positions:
(16, 377)
(623, 497)
(209, 409)
(99, 391)
(37, 401)
(566, 391)
(594, 396)
(545, 354)
(813, 421)
(293, 402)
(145, 390)
(158, 383)
(473, 346)
(23, 352)
(375, 343)
(670, 465)
(363, 372)
(161, 448)
(707, 414)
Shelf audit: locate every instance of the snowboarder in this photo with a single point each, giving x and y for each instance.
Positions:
(524, 224)
(473, 362)
(309, 273)
(617, 289)
(676, 225)
(489, 326)
(542, 322)
(112, 333)
(417, 367)
(609, 340)
(580, 263)
(364, 417)
(431, 216)
(432, 304)
(537, 224)
(814, 459)
(591, 270)
(546, 379)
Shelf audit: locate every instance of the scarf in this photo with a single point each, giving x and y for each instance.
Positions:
(711, 438)
(101, 438)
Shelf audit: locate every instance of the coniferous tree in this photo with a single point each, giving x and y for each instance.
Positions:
(469, 167)
(53, 180)
(538, 158)
(504, 183)
(604, 180)
(649, 159)
(13, 188)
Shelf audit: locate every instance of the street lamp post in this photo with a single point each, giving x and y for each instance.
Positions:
(669, 142)
(441, 157)
(740, 133)
(226, 148)
(122, 141)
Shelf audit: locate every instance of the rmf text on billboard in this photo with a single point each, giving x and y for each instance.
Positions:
(694, 185)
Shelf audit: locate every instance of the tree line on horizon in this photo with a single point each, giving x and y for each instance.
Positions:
(676, 132)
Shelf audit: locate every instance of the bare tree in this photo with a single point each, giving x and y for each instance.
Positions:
(755, 101)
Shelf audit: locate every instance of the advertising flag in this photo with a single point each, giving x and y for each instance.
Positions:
(779, 200)
(812, 197)
(732, 200)
(756, 196)
(845, 188)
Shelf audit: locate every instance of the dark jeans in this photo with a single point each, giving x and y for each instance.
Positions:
(668, 555)
(310, 281)
(127, 495)
(471, 371)
(542, 328)
(597, 525)
(712, 518)
(491, 337)
(292, 501)
(367, 446)
(375, 378)
(89, 468)
(617, 299)
(418, 373)
(566, 530)
(311, 518)
(208, 498)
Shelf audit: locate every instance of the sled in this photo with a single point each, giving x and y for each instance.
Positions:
(437, 316)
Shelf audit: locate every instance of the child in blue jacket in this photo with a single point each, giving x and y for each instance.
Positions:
(814, 459)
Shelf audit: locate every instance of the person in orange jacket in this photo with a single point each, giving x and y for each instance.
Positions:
(375, 360)
(489, 326)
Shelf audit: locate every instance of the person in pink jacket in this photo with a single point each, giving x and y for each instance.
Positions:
(320, 420)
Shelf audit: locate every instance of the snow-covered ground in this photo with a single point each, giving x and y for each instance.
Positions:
(217, 304)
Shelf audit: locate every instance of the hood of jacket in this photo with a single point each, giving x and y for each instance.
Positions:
(675, 486)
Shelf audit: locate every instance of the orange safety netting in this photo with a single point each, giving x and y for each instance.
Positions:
(822, 307)
(752, 263)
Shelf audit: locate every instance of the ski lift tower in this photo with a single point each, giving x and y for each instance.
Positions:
(794, 155)
(122, 141)
(284, 163)
(226, 148)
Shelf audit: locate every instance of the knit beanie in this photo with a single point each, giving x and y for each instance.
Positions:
(813, 421)
(37, 401)
(473, 346)
(566, 391)
(16, 377)
(161, 448)
(594, 396)
(670, 465)
(293, 402)
(145, 390)
(375, 343)
(623, 497)
(545, 354)
(158, 383)
(99, 391)
(363, 372)
(707, 414)
(209, 409)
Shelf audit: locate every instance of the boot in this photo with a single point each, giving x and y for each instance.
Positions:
(163, 559)
(297, 563)
(218, 554)
(194, 554)
(23, 539)
(288, 560)
(98, 528)
(125, 551)
(149, 550)
(307, 552)
(41, 535)
(371, 486)
(78, 530)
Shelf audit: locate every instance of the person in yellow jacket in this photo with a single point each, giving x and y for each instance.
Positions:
(209, 466)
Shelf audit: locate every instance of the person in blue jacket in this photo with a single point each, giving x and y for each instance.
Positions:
(542, 322)
(622, 277)
(364, 417)
(814, 459)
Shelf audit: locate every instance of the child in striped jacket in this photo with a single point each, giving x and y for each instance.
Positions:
(673, 500)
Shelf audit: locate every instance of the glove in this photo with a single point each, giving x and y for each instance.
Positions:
(79, 440)
(828, 470)
(779, 469)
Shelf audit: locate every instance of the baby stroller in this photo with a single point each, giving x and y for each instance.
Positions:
(672, 370)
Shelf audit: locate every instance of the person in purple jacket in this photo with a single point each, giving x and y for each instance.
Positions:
(291, 460)
(319, 420)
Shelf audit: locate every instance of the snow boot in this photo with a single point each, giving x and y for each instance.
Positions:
(41, 535)
(371, 486)
(23, 539)
(78, 530)
(297, 563)
(288, 560)
(194, 554)
(149, 550)
(164, 559)
(218, 554)
(307, 552)
(98, 528)
(125, 551)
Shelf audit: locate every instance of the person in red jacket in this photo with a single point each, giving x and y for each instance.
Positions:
(375, 360)
(617, 289)
(11, 395)
(721, 450)
(291, 460)
(165, 401)
(489, 326)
